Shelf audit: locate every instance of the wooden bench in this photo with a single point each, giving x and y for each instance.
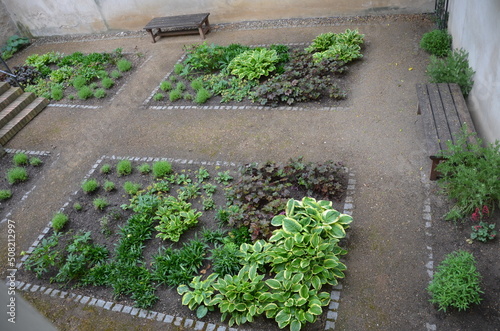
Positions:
(444, 112)
(179, 25)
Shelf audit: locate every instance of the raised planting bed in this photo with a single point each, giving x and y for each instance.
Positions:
(265, 76)
(20, 170)
(144, 242)
(77, 78)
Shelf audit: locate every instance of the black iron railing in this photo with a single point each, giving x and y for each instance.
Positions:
(441, 12)
(9, 73)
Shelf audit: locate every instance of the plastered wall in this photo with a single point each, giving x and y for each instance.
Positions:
(7, 26)
(475, 26)
(59, 17)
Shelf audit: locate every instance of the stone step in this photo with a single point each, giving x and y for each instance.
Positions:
(4, 86)
(15, 107)
(9, 96)
(21, 119)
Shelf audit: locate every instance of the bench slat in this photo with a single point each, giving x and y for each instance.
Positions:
(439, 116)
(450, 112)
(424, 108)
(463, 111)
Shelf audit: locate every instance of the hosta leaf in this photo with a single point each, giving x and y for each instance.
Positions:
(276, 237)
(240, 307)
(290, 206)
(315, 309)
(330, 216)
(283, 317)
(290, 302)
(338, 231)
(300, 301)
(201, 311)
(297, 278)
(248, 297)
(291, 226)
(187, 297)
(310, 317)
(316, 282)
(345, 219)
(317, 269)
(304, 292)
(182, 289)
(295, 325)
(289, 244)
(270, 307)
(252, 272)
(298, 238)
(338, 273)
(330, 263)
(278, 220)
(304, 263)
(264, 296)
(257, 247)
(315, 240)
(273, 283)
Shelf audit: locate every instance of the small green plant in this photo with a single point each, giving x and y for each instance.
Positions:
(223, 177)
(90, 185)
(79, 82)
(104, 223)
(100, 93)
(158, 97)
(108, 186)
(483, 232)
(202, 95)
(144, 168)
(93, 85)
(452, 69)
(131, 188)
(115, 74)
(173, 78)
(209, 189)
(106, 168)
(35, 161)
(13, 45)
(77, 206)
(254, 64)
(124, 168)
(178, 68)
(456, 282)
(85, 92)
(107, 82)
(202, 174)
(197, 84)
(20, 159)
(208, 204)
(436, 42)
(100, 203)
(187, 96)
(71, 97)
(174, 95)
(161, 169)
(5, 194)
(124, 65)
(165, 86)
(199, 298)
(225, 259)
(17, 175)
(180, 86)
(59, 221)
(44, 256)
(175, 217)
(57, 93)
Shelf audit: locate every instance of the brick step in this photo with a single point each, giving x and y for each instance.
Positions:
(15, 107)
(4, 86)
(21, 119)
(9, 96)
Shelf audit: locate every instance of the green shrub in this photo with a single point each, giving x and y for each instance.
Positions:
(202, 96)
(5, 194)
(107, 83)
(254, 64)
(158, 97)
(178, 68)
(131, 188)
(59, 221)
(124, 65)
(90, 185)
(197, 84)
(85, 92)
(225, 259)
(100, 203)
(470, 175)
(322, 42)
(17, 175)
(100, 93)
(124, 168)
(180, 86)
(456, 282)
(172, 78)
(77, 206)
(35, 162)
(57, 93)
(161, 169)
(115, 74)
(79, 82)
(175, 95)
(144, 168)
(20, 159)
(165, 86)
(452, 69)
(436, 42)
(106, 168)
(108, 186)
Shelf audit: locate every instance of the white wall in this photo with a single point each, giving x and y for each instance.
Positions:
(475, 26)
(58, 17)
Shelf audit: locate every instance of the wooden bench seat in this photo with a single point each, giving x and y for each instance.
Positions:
(444, 112)
(179, 25)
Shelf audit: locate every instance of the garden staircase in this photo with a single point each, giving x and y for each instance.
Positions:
(17, 108)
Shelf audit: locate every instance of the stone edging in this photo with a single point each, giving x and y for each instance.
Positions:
(332, 313)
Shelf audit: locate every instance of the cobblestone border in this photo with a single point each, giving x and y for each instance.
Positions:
(332, 312)
(25, 196)
(427, 219)
(223, 107)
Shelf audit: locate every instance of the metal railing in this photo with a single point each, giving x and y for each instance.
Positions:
(9, 73)
(441, 12)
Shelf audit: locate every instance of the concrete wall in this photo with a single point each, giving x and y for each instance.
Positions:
(57, 17)
(7, 26)
(475, 26)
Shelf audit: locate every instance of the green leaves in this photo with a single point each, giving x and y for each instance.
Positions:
(344, 46)
(253, 64)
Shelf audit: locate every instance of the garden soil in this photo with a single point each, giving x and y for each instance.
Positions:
(378, 136)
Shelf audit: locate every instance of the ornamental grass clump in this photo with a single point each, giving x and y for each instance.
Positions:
(16, 175)
(124, 65)
(436, 42)
(90, 186)
(20, 159)
(456, 282)
(5, 194)
(59, 221)
(161, 169)
(124, 168)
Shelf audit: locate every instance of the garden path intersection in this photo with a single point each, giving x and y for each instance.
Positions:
(378, 137)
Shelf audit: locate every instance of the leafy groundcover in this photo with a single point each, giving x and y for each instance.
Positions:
(258, 245)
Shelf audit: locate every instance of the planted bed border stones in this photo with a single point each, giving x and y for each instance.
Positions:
(34, 153)
(333, 307)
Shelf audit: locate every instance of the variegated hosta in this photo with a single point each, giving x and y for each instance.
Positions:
(199, 298)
